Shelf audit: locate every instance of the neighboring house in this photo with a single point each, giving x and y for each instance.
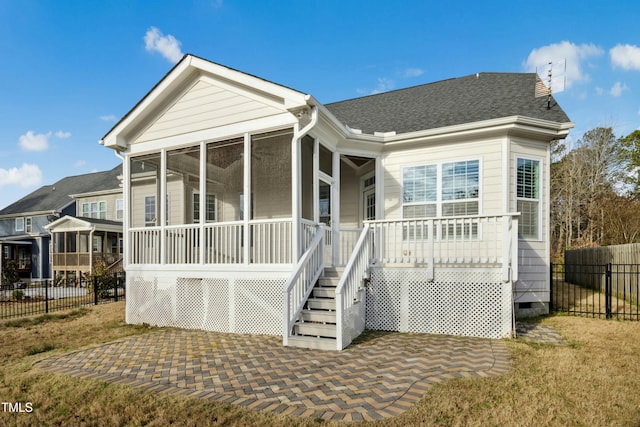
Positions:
(93, 235)
(25, 225)
(242, 197)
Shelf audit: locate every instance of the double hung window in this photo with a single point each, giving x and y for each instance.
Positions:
(528, 198)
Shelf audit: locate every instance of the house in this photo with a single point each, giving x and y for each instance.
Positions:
(26, 226)
(251, 207)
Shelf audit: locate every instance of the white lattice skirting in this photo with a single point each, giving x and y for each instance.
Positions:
(246, 306)
(465, 302)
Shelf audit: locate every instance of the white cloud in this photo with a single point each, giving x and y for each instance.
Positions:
(625, 56)
(572, 53)
(168, 46)
(599, 90)
(62, 135)
(27, 175)
(35, 141)
(108, 118)
(618, 88)
(384, 85)
(80, 163)
(412, 72)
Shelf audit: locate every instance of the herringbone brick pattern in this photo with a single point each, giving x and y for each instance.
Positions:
(381, 375)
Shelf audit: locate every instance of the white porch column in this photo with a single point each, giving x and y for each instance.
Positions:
(335, 209)
(296, 195)
(126, 220)
(161, 204)
(316, 180)
(203, 200)
(247, 198)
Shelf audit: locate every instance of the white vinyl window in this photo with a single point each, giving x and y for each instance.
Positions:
(27, 224)
(448, 189)
(528, 198)
(210, 214)
(150, 211)
(119, 209)
(94, 210)
(19, 224)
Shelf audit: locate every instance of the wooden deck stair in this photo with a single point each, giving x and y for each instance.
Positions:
(316, 325)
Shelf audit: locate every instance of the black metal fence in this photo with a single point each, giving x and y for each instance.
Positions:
(22, 300)
(600, 290)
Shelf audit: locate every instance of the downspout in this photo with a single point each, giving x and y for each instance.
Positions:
(295, 179)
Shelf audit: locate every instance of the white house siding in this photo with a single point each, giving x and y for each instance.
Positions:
(533, 255)
(205, 105)
(230, 302)
(487, 151)
(349, 196)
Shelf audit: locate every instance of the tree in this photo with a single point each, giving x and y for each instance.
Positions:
(582, 181)
(631, 150)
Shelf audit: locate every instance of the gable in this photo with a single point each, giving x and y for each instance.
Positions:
(207, 104)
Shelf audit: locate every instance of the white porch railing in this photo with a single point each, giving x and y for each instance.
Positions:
(350, 319)
(183, 244)
(220, 243)
(469, 240)
(145, 245)
(271, 241)
(223, 243)
(301, 282)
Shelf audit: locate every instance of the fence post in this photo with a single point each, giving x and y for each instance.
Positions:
(551, 288)
(115, 286)
(95, 290)
(608, 289)
(46, 296)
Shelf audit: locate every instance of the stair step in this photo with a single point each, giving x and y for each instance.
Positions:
(318, 316)
(333, 272)
(328, 282)
(321, 292)
(321, 304)
(313, 343)
(315, 329)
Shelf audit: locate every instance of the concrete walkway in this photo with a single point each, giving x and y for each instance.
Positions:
(380, 376)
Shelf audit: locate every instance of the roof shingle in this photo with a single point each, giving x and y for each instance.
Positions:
(478, 97)
(55, 197)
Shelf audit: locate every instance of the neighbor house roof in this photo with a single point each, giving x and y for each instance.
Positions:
(482, 96)
(52, 198)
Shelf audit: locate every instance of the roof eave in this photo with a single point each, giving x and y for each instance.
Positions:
(538, 127)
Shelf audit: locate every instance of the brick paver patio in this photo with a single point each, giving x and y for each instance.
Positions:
(382, 375)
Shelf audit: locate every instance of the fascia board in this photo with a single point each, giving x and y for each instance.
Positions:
(543, 128)
(25, 214)
(177, 76)
(97, 193)
(80, 224)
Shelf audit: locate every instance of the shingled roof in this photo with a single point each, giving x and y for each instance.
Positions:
(478, 97)
(57, 196)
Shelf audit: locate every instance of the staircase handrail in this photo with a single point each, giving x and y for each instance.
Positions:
(301, 282)
(355, 270)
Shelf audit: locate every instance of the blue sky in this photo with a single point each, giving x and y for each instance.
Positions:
(70, 69)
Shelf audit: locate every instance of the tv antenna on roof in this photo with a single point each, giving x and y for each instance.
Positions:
(551, 79)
